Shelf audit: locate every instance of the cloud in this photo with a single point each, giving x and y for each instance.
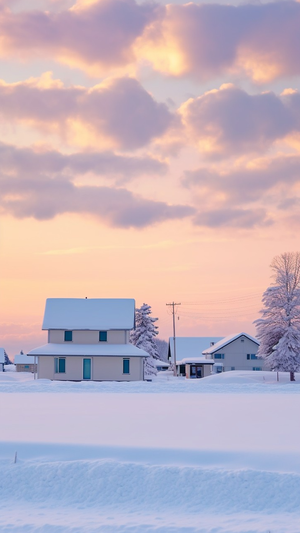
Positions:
(251, 184)
(95, 35)
(43, 198)
(230, 121)
(233, 217)
(260, 40)
(27, 161)
(118, 112)
(254, 196)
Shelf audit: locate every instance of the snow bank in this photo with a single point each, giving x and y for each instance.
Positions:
(164, 382)
(118, 496)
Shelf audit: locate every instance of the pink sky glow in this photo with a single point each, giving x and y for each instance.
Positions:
(147, 150)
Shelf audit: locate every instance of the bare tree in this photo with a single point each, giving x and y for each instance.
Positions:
(278, 330)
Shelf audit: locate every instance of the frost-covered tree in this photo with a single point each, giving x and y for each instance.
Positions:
(278, 330)
(143, 336)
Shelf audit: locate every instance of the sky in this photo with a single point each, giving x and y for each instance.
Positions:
(148, 150)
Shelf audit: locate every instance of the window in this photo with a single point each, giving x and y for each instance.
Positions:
(103, 336)
(68, 336)
(182, 370)
(251, 356)
(219, 356)
(126, 366)
(233, 368)
(59, 365)
(26, 366)
(256, 368)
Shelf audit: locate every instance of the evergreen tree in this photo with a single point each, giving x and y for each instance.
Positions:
(279, 328)
(7, 360)
(143, 336)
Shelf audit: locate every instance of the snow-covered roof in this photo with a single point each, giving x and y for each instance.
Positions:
(158, 362)
(227, 340)
(196, 360)
(111, 350)
(23, 359)
(89, 314)
(190, 346)
(2, 355)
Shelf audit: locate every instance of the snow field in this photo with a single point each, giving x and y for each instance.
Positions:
(121, 460)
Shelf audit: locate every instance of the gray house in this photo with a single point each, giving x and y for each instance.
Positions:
(88, 339)
(235, 352)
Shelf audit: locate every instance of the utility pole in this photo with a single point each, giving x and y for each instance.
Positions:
(174, 334)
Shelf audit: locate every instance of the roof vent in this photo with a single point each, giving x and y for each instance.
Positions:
(212, 343)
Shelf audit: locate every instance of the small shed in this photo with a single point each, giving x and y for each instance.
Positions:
(25, 363)
(196, 367)
(2, 359)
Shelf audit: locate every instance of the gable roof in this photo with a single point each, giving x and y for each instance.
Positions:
(23, 359)
(190, 346)
(2, 355)
(89, 314)
(227, 340)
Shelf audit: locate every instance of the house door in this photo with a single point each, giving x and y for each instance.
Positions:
(87, 369)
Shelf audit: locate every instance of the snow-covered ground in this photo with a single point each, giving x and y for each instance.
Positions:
(217, 455)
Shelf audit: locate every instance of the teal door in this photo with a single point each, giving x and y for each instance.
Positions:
(87, 369)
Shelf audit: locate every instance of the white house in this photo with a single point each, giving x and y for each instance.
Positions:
(2, 359)
(235, 352)
(88, 339)
(25, 363)
(189, 359)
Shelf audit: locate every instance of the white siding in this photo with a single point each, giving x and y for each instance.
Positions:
(235, 355)
(57, 336)
(103, 369)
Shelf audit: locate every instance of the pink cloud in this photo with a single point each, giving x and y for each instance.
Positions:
(261, 40)
(43, 198)
(27, 161)
(230, 121)
(120, 111)
(100, 33)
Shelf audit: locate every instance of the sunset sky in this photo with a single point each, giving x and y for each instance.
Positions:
(149, 151)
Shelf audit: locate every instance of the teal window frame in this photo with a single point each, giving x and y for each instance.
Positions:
(256, 368)
(68, 336)
(26, 366)
(126, 366)
(251, 356)
(102, 336)
(59, 365)
(219, 356)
